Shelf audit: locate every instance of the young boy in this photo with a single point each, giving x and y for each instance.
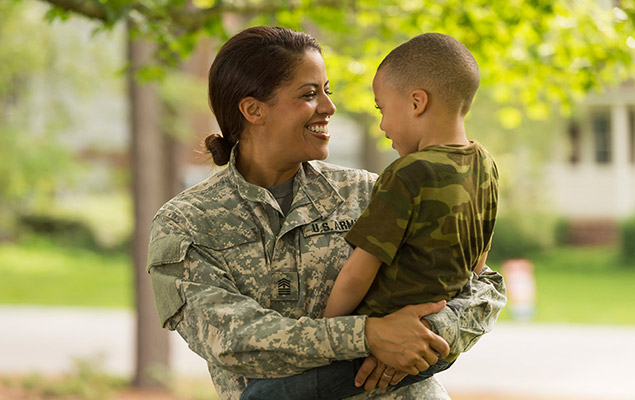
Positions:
(430, 221)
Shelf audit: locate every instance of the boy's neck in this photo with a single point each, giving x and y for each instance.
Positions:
(443, 130)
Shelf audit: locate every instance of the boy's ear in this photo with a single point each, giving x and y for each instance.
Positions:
(252, 109)
(419, 101)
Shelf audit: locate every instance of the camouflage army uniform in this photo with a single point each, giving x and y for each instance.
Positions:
(430, 220)
(249, 301)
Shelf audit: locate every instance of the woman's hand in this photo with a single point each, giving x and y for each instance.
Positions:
(402, 340)
(374, 373)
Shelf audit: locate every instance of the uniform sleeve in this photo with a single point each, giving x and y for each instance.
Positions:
(196, 295)
(472, 313)
(381, 228)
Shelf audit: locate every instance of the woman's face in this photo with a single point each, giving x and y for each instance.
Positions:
(297, 118)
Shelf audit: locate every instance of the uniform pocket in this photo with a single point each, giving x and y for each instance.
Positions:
(243, 254)
(166, 256)
(326, 252)
(326, 244)
(168, 250)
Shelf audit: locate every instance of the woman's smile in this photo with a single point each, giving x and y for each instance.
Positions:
(320, 130)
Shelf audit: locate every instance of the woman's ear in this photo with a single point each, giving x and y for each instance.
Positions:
(252, 110)
(419, 100)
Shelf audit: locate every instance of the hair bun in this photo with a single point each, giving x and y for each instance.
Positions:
(219, 147)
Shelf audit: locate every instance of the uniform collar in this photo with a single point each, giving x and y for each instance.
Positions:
(246, 190)
(314, 198)
(313, 186)
(310, 187)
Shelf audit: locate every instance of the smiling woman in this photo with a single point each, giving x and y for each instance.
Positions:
(248, 71)
(242, 264)
(296, 119)
(271, 109)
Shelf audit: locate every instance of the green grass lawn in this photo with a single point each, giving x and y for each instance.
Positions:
(574, 285)
(590, 285)
(38, 271)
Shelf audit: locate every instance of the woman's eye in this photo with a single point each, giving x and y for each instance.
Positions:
(328, 92)
(310, 95)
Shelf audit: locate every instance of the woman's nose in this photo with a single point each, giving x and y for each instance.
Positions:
(326, 106)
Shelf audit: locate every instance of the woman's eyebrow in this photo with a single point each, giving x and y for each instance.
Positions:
(315, 85)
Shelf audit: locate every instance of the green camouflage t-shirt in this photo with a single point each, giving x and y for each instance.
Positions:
(430, 219)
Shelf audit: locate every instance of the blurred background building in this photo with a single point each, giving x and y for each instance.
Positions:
(592, 176)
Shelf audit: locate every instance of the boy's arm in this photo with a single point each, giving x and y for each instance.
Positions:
(352, 283)
(481, 263)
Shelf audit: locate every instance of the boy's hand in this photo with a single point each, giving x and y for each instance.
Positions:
(401, 339)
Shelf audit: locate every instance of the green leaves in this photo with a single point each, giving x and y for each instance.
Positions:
(542, 51)
(537, 58)
(56, 13)
(43, 82)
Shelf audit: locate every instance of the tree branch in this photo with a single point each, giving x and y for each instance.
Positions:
(87, 8)
(187, 18)
(193, 20)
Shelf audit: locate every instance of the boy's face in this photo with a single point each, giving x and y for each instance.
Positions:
(396, 115)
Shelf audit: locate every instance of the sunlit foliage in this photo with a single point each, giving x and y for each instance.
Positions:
(534, 55)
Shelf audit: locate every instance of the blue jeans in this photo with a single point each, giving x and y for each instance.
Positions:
(333, 381)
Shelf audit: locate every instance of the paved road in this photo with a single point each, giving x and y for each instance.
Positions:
(516, 360)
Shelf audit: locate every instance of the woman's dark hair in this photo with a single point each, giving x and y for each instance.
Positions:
(253, 63)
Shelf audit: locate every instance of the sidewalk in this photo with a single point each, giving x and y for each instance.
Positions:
(527, 361)
(548, 361)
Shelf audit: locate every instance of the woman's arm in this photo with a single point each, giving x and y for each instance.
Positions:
(472, 313)
(352, 283)
(234, 332)
(196, 295)
(461, 323)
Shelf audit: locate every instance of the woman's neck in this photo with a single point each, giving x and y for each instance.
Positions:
(261, 168)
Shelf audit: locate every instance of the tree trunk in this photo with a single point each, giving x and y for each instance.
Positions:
(149, 193)
(372, 159)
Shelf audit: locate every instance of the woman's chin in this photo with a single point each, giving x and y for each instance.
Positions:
(318, 154)
(323, 154)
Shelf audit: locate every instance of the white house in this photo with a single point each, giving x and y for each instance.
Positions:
(592, 178)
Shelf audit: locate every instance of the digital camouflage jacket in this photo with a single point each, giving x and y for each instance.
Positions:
(250, 302)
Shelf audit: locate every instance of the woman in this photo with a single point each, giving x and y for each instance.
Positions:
(242, 264)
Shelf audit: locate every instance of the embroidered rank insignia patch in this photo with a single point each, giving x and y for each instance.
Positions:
(284, 285)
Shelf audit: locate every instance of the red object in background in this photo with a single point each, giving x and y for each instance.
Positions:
(521, 288)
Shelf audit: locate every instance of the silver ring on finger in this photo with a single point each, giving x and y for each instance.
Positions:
(386, 375)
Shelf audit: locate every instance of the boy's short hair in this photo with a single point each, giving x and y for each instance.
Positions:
(437, 63)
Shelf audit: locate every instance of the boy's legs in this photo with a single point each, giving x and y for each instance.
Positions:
(423, 375)
(333, 381)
